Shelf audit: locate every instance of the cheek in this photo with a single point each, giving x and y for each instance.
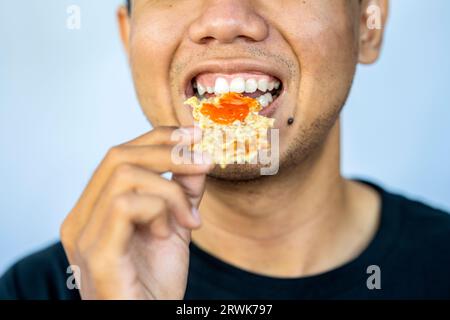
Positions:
(150, 58)
(327, 56)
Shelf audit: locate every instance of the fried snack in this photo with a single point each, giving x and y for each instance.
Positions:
(233, 131)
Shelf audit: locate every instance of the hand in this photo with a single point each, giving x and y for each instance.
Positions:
(129, 232)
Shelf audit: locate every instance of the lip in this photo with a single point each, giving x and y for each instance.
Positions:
(229, 66)
(232, 66)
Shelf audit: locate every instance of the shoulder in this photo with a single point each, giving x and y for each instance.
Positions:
(411, 248)
(424, 222)
(420, 222)
(421, 243)
(41, 275)
(414, 228)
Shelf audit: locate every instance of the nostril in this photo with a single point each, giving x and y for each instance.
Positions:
(227, 23)
(206, 40)
(246, 39)
(243, 38)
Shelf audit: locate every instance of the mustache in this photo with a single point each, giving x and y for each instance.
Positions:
(243, 51)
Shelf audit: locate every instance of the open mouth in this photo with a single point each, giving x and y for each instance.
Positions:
(262, 87)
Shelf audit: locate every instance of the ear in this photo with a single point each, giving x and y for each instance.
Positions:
(123, 19)
(372, 25)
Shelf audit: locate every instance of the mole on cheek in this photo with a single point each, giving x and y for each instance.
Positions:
(290, 121)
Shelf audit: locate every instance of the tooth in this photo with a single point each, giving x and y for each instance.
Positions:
(195, 85)
(201, 89)
(263, 84)
(263, 101)
(221, 86)
(237, 85)
(269, 97)
(277, 85)
(271, 86)
(251, 86)
(210, 89)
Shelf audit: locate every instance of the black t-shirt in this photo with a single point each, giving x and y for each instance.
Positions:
(408, 258)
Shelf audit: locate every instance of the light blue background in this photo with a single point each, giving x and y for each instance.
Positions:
(66, 96)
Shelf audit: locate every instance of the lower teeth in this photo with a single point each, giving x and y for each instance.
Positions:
(264, 99)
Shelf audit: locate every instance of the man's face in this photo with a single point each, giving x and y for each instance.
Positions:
(310, 46)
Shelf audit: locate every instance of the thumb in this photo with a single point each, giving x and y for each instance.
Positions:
(193, 185)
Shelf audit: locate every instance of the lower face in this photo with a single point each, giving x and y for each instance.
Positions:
(303, 60)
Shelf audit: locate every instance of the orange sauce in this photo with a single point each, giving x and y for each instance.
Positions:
(230, 107)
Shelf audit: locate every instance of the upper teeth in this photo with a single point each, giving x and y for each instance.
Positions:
(251, 86)
(221, 86)
(277, 85)
(238, 85)
(201, 89)
(263, 85)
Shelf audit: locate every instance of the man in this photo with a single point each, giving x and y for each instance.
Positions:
(304, 233)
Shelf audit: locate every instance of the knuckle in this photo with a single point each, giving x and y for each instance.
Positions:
(121, 204)
(159, 205)
(123, 172)
(64, 231)
(66, 235)
(114, 153)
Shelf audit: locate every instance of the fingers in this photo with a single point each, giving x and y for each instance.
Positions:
(156, 158)
(126, 212)
(193, 186)
(128, 199)
(128, 178)
(159, 159)
(167, 136)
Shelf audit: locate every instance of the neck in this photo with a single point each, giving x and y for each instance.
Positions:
(292, 224)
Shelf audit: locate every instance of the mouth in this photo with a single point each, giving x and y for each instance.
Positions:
(262, 85)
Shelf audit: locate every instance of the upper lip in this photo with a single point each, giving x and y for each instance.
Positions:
(229, 66)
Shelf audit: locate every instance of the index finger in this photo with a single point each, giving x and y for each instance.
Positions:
(167, 136)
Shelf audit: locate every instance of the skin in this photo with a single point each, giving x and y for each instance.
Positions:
(138, 227)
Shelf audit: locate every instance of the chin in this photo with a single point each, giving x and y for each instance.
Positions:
(237, 172)
(250, 172)
(302, 150)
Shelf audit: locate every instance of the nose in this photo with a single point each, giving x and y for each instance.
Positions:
(225, 21)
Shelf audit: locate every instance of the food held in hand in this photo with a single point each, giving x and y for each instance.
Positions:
(233, 131)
